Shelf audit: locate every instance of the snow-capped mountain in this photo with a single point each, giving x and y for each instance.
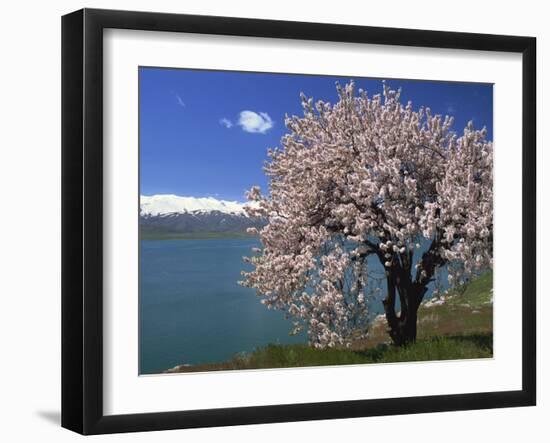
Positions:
(171, 204)
(172, 214)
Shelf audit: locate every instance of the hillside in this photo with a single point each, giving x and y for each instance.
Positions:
(456, 326)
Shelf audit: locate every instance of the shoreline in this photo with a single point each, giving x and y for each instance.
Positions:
(196, 236)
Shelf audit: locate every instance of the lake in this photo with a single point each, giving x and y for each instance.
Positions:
(193, 311)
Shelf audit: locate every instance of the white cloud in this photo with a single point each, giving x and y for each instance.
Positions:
(180, 101)
(254, 122)
(226, 122)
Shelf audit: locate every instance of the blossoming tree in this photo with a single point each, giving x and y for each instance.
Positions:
(369, 177)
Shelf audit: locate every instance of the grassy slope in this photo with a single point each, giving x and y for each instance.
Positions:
(464, 312)
(459, 328)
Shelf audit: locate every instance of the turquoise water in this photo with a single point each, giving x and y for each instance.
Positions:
(192, 310)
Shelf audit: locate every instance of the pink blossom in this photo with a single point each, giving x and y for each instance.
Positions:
(367, 176)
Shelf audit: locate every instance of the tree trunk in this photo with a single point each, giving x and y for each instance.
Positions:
(402, 326)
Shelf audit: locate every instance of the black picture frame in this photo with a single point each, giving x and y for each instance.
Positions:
(82, 218)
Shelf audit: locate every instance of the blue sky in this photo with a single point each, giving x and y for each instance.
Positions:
(206, 133)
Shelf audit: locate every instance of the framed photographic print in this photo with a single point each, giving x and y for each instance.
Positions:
(269, 221)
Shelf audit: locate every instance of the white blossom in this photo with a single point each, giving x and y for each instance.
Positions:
(373, 175)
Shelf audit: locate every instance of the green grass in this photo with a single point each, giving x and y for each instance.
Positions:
(466, 311)
(477, 293)
(292, 356)
(461, 328)
(442, 348)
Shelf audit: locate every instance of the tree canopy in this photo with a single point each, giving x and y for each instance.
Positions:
(369, 176)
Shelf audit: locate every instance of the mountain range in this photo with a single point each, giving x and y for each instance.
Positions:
(167, 215)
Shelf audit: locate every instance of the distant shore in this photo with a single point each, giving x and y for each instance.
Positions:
(144, 235)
